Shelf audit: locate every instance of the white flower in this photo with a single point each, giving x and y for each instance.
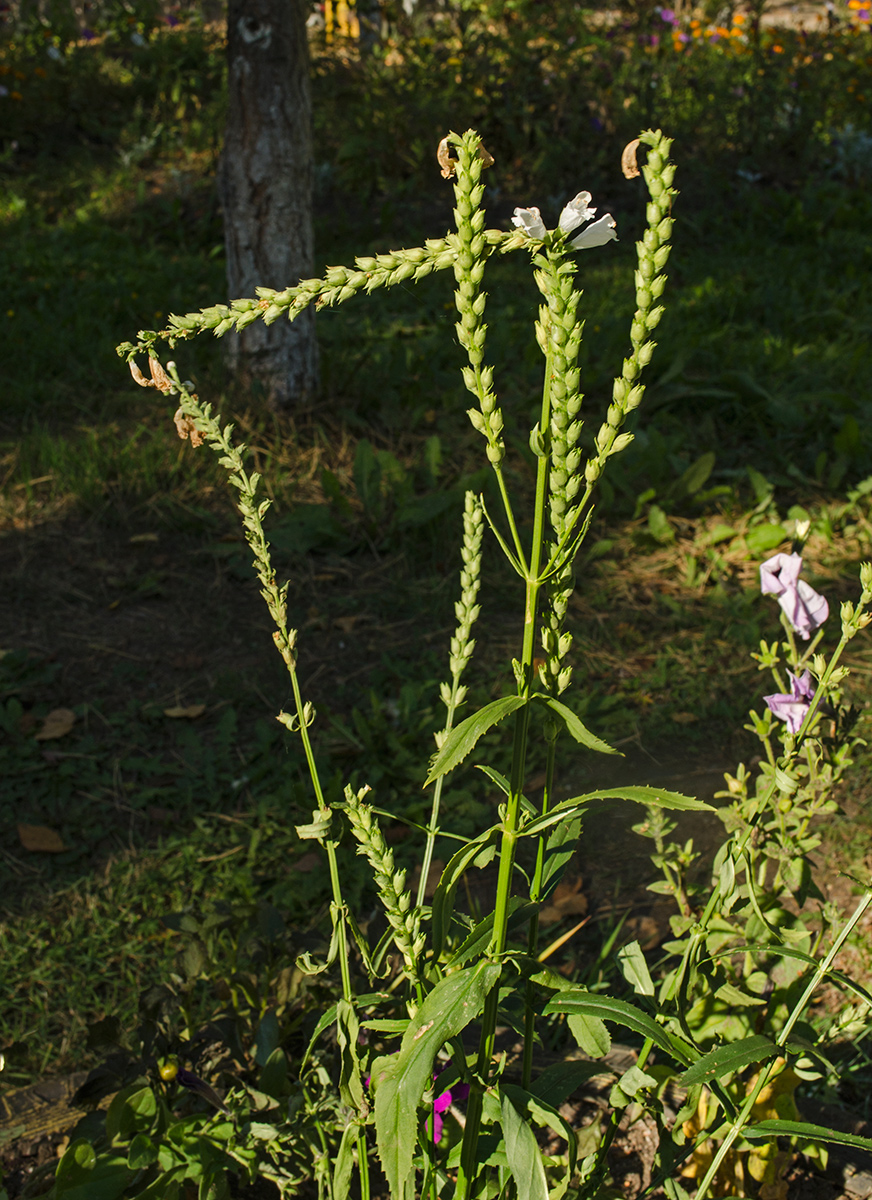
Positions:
(530, 221)
(598, 234)
(576, 212)
(54, 53)
(138, 39)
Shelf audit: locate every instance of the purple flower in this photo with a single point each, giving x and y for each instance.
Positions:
(793, 708)
(667, 14)
(805, 609)
(442, 1104)
(88, 34)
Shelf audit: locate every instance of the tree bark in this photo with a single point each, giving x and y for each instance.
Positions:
(265, 187)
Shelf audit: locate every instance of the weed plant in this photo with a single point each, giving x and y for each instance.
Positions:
(378, 1019)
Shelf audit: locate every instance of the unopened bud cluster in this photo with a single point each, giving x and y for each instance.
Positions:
(390, 883)
(652, 252)
(465, 609)
(473, 245)
(558, 332)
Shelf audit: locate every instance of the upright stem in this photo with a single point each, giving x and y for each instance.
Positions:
(533, 933)
(469, 1151)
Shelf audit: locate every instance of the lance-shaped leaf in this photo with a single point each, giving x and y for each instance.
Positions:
(464, 736)
(522, 1152)
(480, 851)
(401, 1079)
(575, 728)
(640, 793)
(732, 1057)
(606, 1008)
(806, 1131)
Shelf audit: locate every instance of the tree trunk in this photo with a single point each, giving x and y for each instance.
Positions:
(265, 185)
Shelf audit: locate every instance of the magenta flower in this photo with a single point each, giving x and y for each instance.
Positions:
(806, 609)
(668, 15)
(442, 1104)
(793, 708)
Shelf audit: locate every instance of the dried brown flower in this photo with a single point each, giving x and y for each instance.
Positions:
(628, 160)
(186, 428)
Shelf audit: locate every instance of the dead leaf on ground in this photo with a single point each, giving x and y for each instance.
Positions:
(684, 718)
(140, 539)
(567, 900)
(189, 712)
(40, 838)
(346, 624)
(57, 724)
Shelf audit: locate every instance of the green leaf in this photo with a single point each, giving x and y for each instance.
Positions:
(479, 851)
(522, 1152)
(559, 849)
(635, 970)
(590, 1033)
(634, 1080)
(131, 1109)
(478, 940)
(274, 1076)
(606, 1008)
(400, 1080)
(658, 525)
(762, 539)
(344, 1161)
(464, 736)
(731, 1057)
(641, 794)
(695, 476)
(83, 1175)
(267, 1038)
(528, 1104)
(574, 726)
(347, 1033)
(142, 1153)
(326, 1019)
(806, 1131)
(558, 1082)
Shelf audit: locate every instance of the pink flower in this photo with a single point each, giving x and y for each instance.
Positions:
(793, 708)
(805, 609)
(442, 1104)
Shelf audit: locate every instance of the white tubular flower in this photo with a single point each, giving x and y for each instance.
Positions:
(530, 221)
(598, 234)
(576, 212)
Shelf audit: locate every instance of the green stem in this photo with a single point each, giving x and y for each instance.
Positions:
(533, 933)
(765, 1074)
(469, 1150)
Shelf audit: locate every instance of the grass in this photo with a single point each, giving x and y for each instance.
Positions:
(126, 586)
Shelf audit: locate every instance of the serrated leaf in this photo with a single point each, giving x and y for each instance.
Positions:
(631, 960)
(558, 1082)
(729, 1058)
(621, 1012)
(590, 1033)
(806, 1131)
(522, 1152)
(463, 738)
(640, 794)
(401, 1079)
(574, 726)
(446, 889)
